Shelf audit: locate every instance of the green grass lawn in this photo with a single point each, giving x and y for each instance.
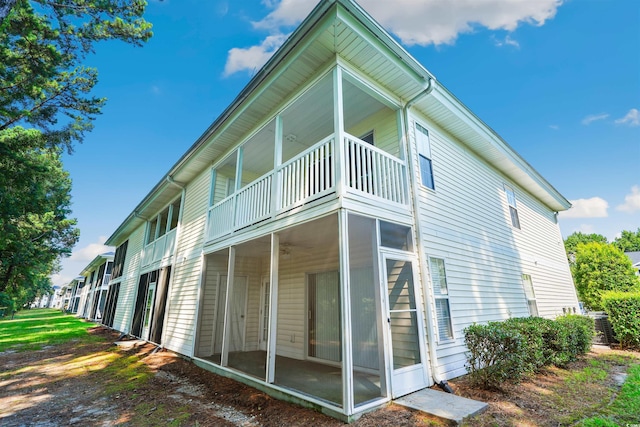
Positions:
(625, 409)
(37, 328)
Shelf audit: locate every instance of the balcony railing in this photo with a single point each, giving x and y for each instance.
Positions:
(369, 171)
(160, 248)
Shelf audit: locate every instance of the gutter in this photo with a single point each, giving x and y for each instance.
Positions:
(431, 339)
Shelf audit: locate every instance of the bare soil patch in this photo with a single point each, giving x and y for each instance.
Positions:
(88, 384)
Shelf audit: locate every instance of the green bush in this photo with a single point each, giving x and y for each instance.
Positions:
(623, 309)
(574, 337)
(535, 353)
(506, 351)
(495, 354)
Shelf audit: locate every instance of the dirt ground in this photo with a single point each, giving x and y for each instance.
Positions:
(72, 384)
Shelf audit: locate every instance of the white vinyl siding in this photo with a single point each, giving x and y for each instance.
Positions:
(129, 284)
(467, 222)
(182, 298)
(441, 295)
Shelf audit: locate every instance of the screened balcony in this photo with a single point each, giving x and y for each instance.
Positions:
(302, 156)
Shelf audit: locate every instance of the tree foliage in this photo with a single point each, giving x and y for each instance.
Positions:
(628, 241)
(601, 267)
(572, 241)
(43, 44)
(46, 107)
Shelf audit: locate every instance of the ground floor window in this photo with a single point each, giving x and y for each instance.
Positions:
(527, 283)
(441, 295)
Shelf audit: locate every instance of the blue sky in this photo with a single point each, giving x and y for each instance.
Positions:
(559, 81)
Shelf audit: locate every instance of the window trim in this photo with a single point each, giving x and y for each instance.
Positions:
(532, 301)
(439, 295)
(423, 147)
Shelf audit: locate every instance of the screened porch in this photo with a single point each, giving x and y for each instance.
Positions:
(295, 295)
(335, 138)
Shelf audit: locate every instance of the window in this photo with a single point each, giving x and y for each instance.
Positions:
(118, 260)
(166, 221)
(513, 210)
(424, 154)
(441, 295)
(368, 137)
(395, 236)
(527, 283)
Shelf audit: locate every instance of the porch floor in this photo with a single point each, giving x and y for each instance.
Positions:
(309, 377)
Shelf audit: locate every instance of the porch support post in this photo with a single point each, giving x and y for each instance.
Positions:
(277, 161)
(273, 309)
(224, 357)
(345, 298)
(338, 126)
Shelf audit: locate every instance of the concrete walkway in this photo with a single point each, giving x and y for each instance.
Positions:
(443, 405)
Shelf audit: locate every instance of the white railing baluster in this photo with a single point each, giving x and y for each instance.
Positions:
(374, 172)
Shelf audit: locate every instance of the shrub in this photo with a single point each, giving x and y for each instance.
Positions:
(506, 351)
(495, 354)
(574, 336)
(624, 314)
(535, 353)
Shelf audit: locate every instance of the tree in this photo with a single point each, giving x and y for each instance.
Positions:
(572, 241)
(628, 241)
(45, 108)
(42, 80)
(35, 200)
(602, 267)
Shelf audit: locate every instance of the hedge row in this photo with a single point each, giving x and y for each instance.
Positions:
(506, 351)
(623, 309)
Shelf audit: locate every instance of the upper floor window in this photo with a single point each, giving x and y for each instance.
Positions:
(424, 155)
(118, 260)
(513, 209)
(165, 221)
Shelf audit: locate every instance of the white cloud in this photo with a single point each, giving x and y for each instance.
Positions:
(252, 58)
(554, 127)
(430, 22)
(156, 90)
(508, 41)
(89, 252)
(415, 22)
(631, 201)
(632, 118)
(594, 207)
(594, 118)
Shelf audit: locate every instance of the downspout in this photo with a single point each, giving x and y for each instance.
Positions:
(431, 340)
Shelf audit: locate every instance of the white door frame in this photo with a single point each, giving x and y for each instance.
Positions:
(263, 324)
(407, 379)
(146, 327)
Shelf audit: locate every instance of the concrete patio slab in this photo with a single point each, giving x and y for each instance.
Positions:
(442, 405)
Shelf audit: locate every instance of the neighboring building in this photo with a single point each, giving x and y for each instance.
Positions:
(331, 234)
(93, 287)
(635, 260)
(76, 287)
